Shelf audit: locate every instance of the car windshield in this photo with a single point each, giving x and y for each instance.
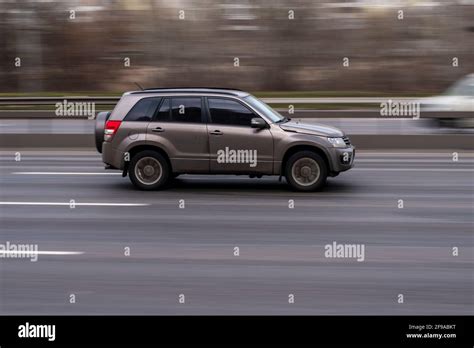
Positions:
(264, 109)
(464, 87)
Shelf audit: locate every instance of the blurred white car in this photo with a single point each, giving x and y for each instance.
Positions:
(455, 105)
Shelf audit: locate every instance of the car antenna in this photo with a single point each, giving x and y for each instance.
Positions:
(139, 86)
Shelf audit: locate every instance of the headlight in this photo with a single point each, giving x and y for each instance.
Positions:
(337, 142)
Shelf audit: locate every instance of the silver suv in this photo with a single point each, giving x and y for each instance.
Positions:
(157, 134)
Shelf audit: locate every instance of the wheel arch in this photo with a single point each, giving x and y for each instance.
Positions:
(144, 147)
(304, 147)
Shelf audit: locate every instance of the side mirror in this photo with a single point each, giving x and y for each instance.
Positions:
(258, 123)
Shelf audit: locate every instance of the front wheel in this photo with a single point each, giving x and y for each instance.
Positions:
(149, 170)
(306, 171)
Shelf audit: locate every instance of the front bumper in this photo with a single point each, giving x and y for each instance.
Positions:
(342, 158)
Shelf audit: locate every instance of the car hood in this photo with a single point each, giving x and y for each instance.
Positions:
(312, 129)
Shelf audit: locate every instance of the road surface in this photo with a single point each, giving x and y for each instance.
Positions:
(191, 250)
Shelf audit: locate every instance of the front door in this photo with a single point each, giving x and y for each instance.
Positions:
(234, 146)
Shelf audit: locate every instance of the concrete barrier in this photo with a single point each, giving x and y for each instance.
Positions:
(361, 141)
(57, 141)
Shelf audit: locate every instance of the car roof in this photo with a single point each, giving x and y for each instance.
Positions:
(192, 90)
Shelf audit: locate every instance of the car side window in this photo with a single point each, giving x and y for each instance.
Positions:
(186, 109)
(229, 112)
(143, 110)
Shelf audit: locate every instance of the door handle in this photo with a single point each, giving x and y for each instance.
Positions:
(158, 130)
(216, 132)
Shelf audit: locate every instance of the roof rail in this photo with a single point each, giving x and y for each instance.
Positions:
(223, 88)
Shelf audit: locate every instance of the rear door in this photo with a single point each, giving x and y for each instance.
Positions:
(234, 146)
(179, 128)
(134, 125)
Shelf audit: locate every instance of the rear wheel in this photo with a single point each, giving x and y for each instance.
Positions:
(149, 170)
(306, 171)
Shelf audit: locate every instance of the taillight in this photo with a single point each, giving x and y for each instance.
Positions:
(110, 129)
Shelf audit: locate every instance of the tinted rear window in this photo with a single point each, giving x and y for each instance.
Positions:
(143, 110)
(180, 109)
(186, 109)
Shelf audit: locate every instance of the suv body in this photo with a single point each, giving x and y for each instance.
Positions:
(156, 134)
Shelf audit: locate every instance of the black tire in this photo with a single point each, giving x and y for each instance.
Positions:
(138, 170)
(301, 171)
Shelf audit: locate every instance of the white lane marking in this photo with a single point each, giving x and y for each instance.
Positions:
(416, 169)
(46, 252)
(53, 159)
(66, 173)
(413, 160)
(78, 204)
(447, 154)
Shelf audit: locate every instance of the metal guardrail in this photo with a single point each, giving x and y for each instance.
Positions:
(335, 100)
(17, 102)
(53, 100)
(113, 100)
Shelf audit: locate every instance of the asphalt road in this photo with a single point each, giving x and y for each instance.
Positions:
(190, 250)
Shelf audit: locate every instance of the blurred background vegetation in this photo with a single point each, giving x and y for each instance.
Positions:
(195, 43)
